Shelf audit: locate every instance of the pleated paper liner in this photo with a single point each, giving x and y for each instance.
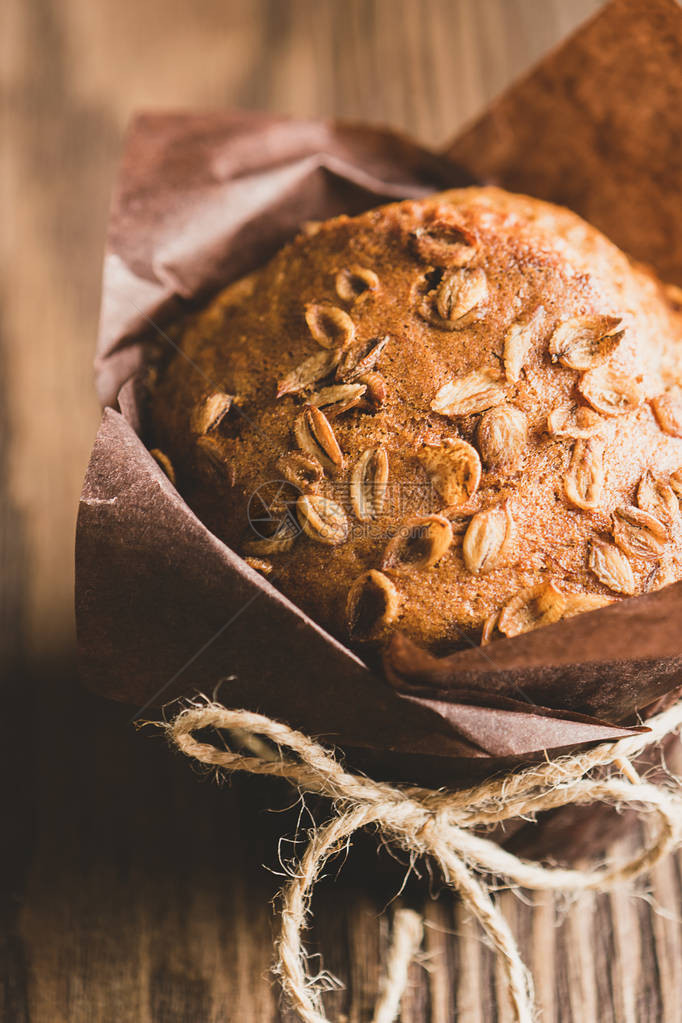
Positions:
(165, 609)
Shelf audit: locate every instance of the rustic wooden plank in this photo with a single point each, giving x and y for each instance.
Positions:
(135, 890)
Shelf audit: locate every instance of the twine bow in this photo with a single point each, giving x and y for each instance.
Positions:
(439, 824)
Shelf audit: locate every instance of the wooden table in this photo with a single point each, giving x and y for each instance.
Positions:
(134, 890)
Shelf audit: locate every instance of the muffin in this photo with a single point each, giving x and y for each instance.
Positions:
(458, 418)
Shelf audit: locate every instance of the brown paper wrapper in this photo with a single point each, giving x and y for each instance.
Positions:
(164, 608)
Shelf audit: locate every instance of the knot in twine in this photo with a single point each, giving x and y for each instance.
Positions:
(440, 824)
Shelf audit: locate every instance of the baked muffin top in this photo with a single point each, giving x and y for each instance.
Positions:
(456, 417)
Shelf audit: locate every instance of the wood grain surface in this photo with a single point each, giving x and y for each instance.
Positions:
(133, 889)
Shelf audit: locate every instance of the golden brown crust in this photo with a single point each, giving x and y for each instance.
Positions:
(473, 386)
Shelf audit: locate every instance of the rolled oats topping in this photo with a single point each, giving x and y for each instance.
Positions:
(667, 409)
(368, 483)
(531, 608)
(611, 391)
(517, 344)
(360, 358)
(611, 567)
(454, 468)
(502, 436)
(459, 292)
(638, 533)
(355, 282)
(574, 421)
(584, 341)
(489, 628)
(656, 496)
(581, 603)
(584, 481)
(458, 299)
(372, 605)
(465, 395)
(338, 398)
(209, 414)
(322, 519)
(419, 544)
(309, 372)
(545, 604)
(301, 470)
(376, 393)
(315, 436)
(329, 325)
(486, 539)
(444, 240)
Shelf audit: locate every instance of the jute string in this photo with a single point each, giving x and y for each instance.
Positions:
(439, 824)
